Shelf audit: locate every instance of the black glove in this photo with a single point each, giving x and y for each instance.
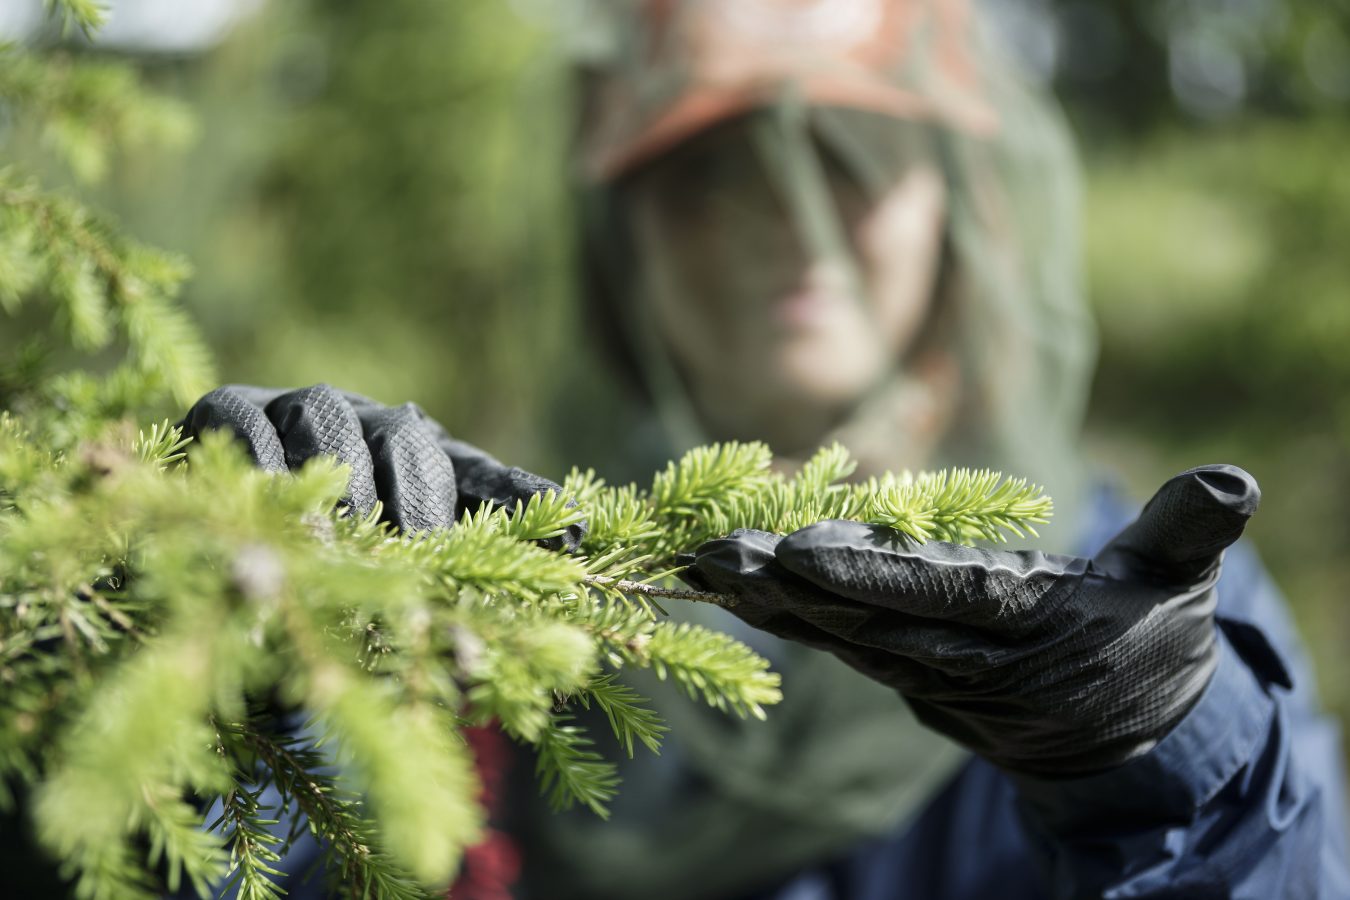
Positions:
(1047, 665)
(397, 455)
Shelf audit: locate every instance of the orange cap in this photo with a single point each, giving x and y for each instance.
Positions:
(690, 64)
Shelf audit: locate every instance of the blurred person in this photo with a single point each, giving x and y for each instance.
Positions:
(816, 220)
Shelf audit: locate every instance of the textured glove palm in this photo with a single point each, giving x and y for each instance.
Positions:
(398, 456)
(1047, 665)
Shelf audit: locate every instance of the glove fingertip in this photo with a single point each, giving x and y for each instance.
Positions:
(1231, 488)
(1189, 522)
(1201, 511)
(319, 421)
(413, 477)
(228, 408)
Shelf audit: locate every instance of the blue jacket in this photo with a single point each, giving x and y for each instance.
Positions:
(1244, 799)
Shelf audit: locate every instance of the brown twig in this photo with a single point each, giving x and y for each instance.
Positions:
(726, 601)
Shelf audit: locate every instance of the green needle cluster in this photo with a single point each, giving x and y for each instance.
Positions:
(156, 617)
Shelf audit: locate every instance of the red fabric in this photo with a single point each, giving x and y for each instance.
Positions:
(492, 866)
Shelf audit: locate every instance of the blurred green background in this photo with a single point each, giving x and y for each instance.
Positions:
(377, 198)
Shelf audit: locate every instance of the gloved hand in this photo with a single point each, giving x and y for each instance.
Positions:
(397, 455)
(1046, 665)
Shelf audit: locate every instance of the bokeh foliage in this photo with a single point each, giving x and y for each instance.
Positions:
(365, 205)
(1218, 268)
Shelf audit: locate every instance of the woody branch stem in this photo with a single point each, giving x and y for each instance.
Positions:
(726, 601)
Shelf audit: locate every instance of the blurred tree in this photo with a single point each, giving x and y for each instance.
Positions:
(70, 275)
(376, 202)
(1218, 270)
(1126, 66)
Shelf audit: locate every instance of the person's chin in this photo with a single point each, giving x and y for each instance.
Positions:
(826, 373)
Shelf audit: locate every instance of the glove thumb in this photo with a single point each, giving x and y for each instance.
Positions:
(1182, 532)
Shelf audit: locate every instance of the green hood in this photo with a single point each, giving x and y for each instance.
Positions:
(731, 804)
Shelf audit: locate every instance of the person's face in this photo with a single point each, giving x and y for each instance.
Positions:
(775, 338)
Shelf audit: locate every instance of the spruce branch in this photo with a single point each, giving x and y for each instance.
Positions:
(570, 771)
(334, 815)
(101, 284)
(248, 582)
(629, 717)
(626, 587)
(88, 15)
(251, 844)
(85, 109)
(712, 491)
(724, 671)
(179, 841)
(162, 447)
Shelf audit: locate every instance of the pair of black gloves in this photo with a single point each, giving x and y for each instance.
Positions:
(1045, 665)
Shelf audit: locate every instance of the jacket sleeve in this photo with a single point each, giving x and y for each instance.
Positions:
(1244, 798)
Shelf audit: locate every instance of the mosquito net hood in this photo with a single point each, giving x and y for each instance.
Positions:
(866, 86)
(870, 84)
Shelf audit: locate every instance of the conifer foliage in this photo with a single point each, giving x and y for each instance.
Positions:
(103, 288)
(200, 660)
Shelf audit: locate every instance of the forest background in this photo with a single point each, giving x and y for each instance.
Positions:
(375, 195)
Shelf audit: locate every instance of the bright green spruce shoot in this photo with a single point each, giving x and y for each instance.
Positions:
(148, 606)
